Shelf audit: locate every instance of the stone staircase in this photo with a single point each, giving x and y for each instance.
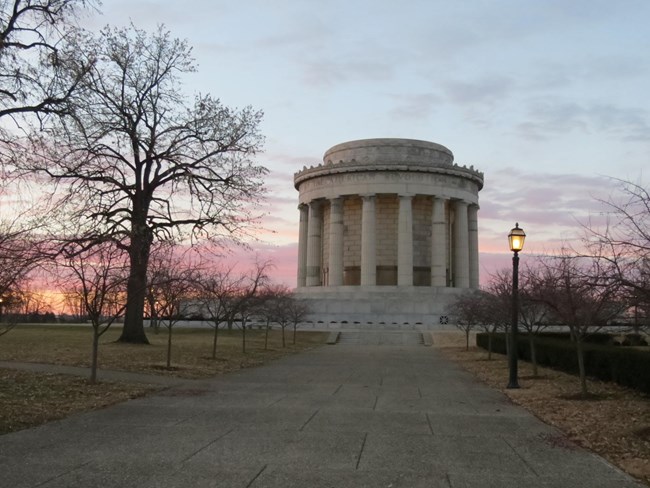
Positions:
(380, 338)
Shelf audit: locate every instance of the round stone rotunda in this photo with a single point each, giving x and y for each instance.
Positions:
(388, 234)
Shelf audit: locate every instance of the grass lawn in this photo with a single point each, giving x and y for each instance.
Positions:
(28, 399)
(191, 349)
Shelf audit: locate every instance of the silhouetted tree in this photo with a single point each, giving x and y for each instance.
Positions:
(622, 244)
(136, 162)
(19, 255)
(580, 294)
(217, 292)
(33, 79)
(98, 276)
(174, 291)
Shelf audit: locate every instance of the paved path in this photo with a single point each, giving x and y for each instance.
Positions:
(338, 416)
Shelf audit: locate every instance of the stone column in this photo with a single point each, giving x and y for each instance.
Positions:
(302, 245)
(314, 244)
(336, 242)
(405, 241)
(438, 244)
(473, 246)
(368, 244)
(461, 245)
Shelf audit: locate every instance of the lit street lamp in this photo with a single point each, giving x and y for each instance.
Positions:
(516, 241)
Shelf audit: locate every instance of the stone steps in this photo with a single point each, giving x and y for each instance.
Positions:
(380, 338)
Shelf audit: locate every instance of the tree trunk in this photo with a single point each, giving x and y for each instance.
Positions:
(489, 346)
(266, 335)
(467, 339)
(243, 336)
(533, 353)
(284, 344)
(295, 326)
(136, 289)
(169, 347)
(581, 366)
(214, 339)
(95, 354)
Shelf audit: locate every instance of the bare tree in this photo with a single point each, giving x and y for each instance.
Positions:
(277, 307)
(19, 255)
(622, 244)
(247, 296)
(99, 277)
(137, 163)
(298, 312)
(175, 291)
(580, 294)
(534, 315)
(32, 34)
(469, 310)
(217, 292)
(266, 310)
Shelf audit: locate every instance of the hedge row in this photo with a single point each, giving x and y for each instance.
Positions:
(625, 366)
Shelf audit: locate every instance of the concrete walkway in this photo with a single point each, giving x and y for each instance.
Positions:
(338, 416)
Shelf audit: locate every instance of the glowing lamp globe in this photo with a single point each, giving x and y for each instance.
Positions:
(516, 238)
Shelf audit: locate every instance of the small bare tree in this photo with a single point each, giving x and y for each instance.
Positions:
(19, 255)
(247, 296)
(278, 307)
(468, 308)
(98, 276)
(217, 291)
(534, 316)
(298, 312)
(581, 294)
(622, 245)
(175, 292)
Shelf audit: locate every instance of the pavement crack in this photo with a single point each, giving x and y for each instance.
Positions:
(206, 446)
(419, 392)
(338, 389)
(521, 457)
(374, 407)
(363, 445)
(61, 475)
(276, 402)
(308, 420)
(429, 422)
(250, 483)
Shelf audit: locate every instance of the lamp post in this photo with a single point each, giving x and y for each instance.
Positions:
(516, 241)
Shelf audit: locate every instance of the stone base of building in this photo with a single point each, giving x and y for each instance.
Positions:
(380, 307)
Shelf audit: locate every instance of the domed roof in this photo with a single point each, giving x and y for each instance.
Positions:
(389, 151)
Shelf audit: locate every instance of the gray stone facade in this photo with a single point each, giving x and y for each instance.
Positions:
(388, 232)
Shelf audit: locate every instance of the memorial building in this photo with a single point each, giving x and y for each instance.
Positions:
(388, 233)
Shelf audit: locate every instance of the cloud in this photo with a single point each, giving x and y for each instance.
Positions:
(415, 107)
(488, 90)
(546, 118)
(284, 260)
(551, 208)
(331, 73)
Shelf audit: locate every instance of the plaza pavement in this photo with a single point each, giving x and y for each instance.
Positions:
(347, 415)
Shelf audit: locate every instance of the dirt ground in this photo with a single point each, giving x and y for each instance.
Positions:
(613, 421)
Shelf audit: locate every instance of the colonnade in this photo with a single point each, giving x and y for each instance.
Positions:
(453, 238)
